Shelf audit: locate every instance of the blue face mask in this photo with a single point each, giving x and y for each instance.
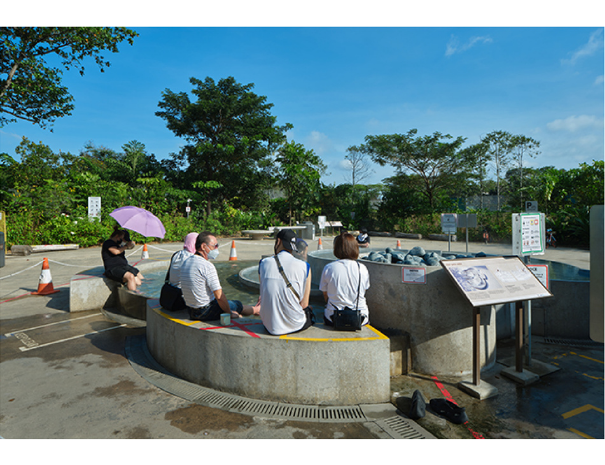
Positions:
(213, 254)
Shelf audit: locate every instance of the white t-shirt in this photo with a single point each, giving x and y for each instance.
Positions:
(175, 268)
(340, 280)
(280, 310)
(199, 281)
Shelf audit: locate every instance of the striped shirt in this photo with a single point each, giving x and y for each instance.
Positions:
(199, 281)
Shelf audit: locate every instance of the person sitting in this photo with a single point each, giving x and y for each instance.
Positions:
(201, 287)
(363, 240)
(342, 278)
(301, 249)
(285, 287)
(115, 262)
(179, 257)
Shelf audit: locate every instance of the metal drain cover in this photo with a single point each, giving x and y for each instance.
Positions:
(382, 415)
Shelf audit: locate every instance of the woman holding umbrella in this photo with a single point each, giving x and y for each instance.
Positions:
(115, 262)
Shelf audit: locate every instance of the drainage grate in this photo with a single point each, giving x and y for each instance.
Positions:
(145, 365)
(573, 342)
(404, 428)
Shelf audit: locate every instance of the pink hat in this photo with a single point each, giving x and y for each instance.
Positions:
(190, 242)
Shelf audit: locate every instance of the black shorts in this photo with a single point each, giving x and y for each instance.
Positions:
(117, 272)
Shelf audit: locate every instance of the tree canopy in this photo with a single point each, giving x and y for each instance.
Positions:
(230, 133)
(433, 158)
(30, 88)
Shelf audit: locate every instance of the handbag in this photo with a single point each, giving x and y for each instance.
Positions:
(347, 319)
(171, 297)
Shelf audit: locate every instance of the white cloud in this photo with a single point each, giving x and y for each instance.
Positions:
(319, 142)
(594, 44)
(599, 80)
(575, 123)
(454, 46)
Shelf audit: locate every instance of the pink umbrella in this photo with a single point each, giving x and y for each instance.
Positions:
(139, 220)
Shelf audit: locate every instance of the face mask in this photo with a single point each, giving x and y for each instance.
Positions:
(213, 254)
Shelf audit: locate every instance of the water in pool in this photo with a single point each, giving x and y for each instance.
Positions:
(228, 274)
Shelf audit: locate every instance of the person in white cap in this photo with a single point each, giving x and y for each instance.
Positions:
(285, 287)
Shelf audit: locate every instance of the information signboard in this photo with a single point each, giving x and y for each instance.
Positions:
(494, 280)
(94, 207)
(540, 272)
(413, 275)
(528, 234)
(449, 223)
(321, 220)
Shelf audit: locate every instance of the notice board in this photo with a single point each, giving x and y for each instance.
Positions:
(494, 280)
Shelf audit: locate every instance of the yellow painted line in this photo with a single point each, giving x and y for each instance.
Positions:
(176, 320)
(378, 336)
(579, 410)
(598, 378)
(588, 358)
(579, 433)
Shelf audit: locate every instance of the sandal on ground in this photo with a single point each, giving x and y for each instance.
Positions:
(449, 410)
(418, 407)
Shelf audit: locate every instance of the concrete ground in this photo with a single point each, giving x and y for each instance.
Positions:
(66, 375)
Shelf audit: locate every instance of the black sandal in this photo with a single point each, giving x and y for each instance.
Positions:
(418, 408)
(449, 410)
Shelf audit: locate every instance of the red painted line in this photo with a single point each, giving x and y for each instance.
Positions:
(444, 391)
(449, 397)
(243, 328)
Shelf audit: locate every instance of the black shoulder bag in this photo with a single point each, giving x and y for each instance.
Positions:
(171, 297)
(347, 319)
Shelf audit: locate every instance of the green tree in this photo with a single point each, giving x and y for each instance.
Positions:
(299, 173)
(230, 133)
(523, 147)
(498, 148)
(31, 88)
(433, 158)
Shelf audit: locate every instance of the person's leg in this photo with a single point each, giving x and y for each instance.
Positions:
(130, 280)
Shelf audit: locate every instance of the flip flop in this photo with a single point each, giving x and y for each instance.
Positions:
(449, 410)
(418, 407)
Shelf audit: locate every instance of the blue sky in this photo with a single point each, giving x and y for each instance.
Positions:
(338, 84)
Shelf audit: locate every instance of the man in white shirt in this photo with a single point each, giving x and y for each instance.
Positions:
(201, 287)
(285, 287)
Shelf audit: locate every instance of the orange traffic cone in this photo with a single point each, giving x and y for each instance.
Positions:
(319, 245)
(45, 284)
(233, 254)
(398, 244)
(145, 253)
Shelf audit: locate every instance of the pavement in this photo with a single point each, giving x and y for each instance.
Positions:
(67, 376)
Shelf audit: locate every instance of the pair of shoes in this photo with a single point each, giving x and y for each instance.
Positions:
(418, 408)
(449, 410)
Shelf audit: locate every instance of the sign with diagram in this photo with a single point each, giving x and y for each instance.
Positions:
(494, 280)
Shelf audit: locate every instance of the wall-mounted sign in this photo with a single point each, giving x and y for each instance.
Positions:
(540, 272)
(413, 275)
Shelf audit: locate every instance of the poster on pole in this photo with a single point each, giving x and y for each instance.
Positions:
(449, 223)
(494, 280)
(529, 235)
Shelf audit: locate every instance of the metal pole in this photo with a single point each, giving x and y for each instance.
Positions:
(519, 337)
(528, 323)
(476, 346)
